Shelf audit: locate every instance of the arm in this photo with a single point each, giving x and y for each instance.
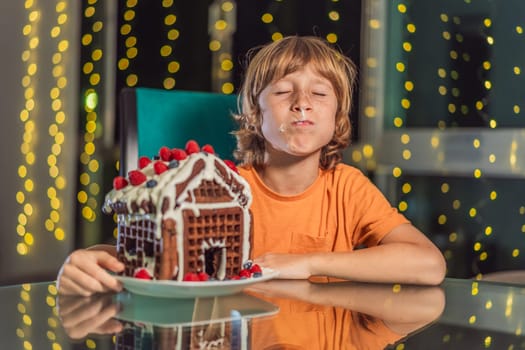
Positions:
(85, 272)
(405, 255)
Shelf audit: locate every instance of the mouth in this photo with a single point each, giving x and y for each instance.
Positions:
(302, 123)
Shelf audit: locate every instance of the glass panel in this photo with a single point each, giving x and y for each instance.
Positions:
(479, 224)
(455, 64)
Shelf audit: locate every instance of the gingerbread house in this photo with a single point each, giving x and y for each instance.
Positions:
(192, 215)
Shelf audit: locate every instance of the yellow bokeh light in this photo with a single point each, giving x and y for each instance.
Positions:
(215, 45)
(173, 67)
(60, 235)
(331, 38)
(374, 23)
(22, 249)
(227, 88)
(221, 25)
(166, 50)
(370, 111)
(170, 19)
(400, 66)
(132, 80)
(276, 36)
(397, 172)
(267, 18)
(333, 15)
(173, 34)
(169, 83)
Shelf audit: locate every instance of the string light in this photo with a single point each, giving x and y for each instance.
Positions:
(29, 119)
(222, 26)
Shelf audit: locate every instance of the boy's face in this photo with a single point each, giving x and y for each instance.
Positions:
(298, 113)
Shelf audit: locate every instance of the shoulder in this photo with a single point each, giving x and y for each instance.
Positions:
(344, 174)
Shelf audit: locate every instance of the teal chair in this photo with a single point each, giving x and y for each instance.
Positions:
(152, 118)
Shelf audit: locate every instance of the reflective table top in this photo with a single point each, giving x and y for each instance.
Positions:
(279, 314)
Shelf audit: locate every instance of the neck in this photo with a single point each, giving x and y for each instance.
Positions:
(290, 176)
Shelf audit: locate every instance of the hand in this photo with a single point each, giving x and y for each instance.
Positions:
(84, 273)
(290, 266)
(81, 316)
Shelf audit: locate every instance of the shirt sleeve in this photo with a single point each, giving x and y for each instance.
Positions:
(369, 215)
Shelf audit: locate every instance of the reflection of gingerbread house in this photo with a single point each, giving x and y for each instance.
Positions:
(199, 323)
(192, 217)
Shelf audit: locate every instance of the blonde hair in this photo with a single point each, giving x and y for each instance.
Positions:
(272, 62)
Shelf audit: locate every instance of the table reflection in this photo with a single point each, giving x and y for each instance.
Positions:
(272, 315)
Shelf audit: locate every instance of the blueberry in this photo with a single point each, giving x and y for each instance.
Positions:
(173, 164)
(151, 183)
(247, 265)
(257, 274)
(156, 157)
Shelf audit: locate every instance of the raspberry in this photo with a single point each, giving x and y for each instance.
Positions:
(235, 278)
(165, 154)
(143, 162)
(245, 273)
(142, 274)
(208, 149)
(119, 182)
(136, 177)
(203, 276)
(191, 276)
(255, 268)
(178, 154)
(159, 167)
(192, 147)
(231, 165)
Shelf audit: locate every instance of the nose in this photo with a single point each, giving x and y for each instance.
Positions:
(301, 102)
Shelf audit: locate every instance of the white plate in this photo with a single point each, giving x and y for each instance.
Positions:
(175, 289)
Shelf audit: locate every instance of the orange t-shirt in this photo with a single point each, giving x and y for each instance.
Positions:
(341, 210)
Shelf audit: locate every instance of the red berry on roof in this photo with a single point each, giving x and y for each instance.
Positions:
(142, 274)
(208, 149)
(159, 167)
(136, 177)
(192, 147)
(165, 153)
(178, 154)
(143, 162)
(231, 165)
(119, 182)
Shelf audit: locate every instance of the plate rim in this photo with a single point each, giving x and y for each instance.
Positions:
(218, 286)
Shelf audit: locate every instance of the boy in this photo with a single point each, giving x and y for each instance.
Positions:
(310, 211)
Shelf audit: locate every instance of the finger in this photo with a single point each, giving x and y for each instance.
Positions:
(76, 281)
(92, 277)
